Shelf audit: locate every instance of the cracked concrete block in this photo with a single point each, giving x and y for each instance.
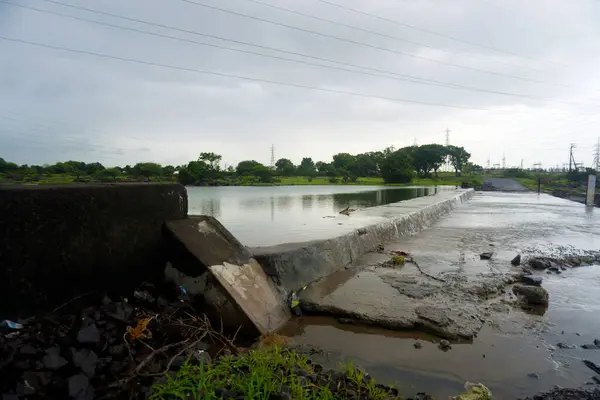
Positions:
(227, 275)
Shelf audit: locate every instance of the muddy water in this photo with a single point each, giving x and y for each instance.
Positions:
(515, 356)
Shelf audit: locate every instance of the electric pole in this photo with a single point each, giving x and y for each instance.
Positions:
(597, 156)
(272, 156)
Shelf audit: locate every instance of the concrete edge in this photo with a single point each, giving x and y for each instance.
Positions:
(293, 266)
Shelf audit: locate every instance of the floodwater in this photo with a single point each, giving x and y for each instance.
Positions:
(515, 357)
(270, 215)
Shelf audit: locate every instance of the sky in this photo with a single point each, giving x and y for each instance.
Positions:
(154, 80)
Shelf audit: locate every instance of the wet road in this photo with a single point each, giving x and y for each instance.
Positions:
(510, 348)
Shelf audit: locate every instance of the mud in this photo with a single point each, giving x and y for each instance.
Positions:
(452, 293)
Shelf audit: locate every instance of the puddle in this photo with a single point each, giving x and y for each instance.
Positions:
(500, 361)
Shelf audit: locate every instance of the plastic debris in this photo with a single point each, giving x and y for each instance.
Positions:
(182, 290)
(295, 304)
(10, 324)
(141, 331)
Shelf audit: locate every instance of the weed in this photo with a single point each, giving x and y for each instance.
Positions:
(258, 374)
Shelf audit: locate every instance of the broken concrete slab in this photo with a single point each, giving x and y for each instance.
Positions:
(226, 274)
(397, 299)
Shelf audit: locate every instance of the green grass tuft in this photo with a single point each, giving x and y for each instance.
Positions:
(262, 372)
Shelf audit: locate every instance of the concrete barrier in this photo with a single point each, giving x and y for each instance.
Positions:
(295, 265)
(57, 242)
(219, 269)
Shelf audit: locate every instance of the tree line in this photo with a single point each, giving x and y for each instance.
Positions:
(393, 165)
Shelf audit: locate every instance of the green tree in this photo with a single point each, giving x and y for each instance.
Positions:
(325, 168)
(168, 170)
(365, 165)
(429, 157)
(263, 173)
(6, 166)
(397, 167)
(147, 169)
(212, 159)
(459, 157)
(109, 174)
(285, 167)
(343, 162)
(245, 168)
(307, 167)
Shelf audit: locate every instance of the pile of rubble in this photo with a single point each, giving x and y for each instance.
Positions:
(96, 347)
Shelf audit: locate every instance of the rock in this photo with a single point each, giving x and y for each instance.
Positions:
(345, 321)
(86, 360)
(53, 360)
(417, 345)
(362, 231)
(120, 311)
(538, 263)
(597, 342)
(533, 295)
(89, 334)
(444, 345)
(589, 347)
(575, 261)
(532, 280)
(486, 255)
(562, 345)
(516, 261)
(28, 350)
(533, 375)
(79, 387)
(144, 296)
(555, 269)
(592, 366)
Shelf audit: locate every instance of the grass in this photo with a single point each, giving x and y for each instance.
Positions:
(444, 178)
(260, 373)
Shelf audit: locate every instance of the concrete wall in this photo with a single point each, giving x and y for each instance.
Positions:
(295, 265)
(57, 242)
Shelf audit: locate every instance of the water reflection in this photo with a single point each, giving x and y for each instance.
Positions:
(272, 215)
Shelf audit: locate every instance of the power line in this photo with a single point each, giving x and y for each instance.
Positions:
(329, 21)
(405, 77)
(367, 45)
(404, 24)
(224, 75)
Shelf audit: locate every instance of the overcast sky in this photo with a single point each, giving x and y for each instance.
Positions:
(58, 105)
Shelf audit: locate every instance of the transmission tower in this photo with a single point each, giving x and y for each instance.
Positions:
(597, 155)
(272, 156)
(447, 136)
(488, 163)
(521, 163)
(503, 161)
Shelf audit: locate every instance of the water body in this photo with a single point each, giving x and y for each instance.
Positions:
(270, 215)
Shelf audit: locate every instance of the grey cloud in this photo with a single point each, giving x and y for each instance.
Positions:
(126, 112)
